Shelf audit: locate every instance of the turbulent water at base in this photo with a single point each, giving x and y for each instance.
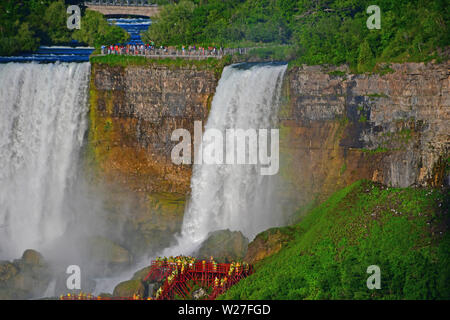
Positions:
(235, 197)
(42, 122)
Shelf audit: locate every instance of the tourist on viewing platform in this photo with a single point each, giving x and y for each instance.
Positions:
(158, 293)
(216, 282)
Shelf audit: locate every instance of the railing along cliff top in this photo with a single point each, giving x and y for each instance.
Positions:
(173, 53)
(130, 3)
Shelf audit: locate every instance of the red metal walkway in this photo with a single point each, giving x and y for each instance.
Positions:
(179, 278)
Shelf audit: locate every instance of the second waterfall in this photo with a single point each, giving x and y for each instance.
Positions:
(236, 197)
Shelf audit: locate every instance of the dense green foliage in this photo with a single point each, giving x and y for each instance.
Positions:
(55, 21)
(365, 57)
(321, 31)
(403, 231)
(313, 32)
(96, 31)
(24, 25)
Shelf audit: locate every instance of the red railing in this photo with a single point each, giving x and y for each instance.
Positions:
(202, 273)
(179, 278)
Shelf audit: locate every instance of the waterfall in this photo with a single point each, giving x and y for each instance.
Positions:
(235, 197)
(42, 123)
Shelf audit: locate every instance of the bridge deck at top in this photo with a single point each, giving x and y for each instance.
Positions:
(134, 3)
(123, 7)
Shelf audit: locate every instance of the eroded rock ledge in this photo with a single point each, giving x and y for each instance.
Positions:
(339, 127)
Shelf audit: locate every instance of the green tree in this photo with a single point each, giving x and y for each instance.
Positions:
(173, 25)
(22, 27)
(96, 31)
(25, 38)
(365, 57)
(55, 19)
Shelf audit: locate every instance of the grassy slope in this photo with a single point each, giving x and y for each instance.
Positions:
(400, 230)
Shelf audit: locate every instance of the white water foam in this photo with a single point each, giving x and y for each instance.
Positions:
(42, 122)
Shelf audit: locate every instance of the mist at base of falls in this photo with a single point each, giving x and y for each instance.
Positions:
(46, 204)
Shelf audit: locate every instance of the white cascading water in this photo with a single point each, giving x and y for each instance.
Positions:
(42, 122)
(235, 197)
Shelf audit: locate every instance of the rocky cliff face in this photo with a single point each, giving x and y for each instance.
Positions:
(142, 106)
(133, 112)
(338, 127)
